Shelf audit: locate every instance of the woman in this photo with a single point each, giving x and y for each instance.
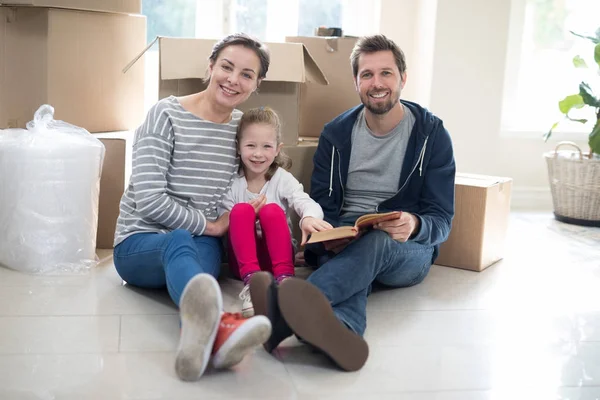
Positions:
(168, 231)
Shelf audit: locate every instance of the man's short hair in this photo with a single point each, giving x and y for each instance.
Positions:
(373, 44)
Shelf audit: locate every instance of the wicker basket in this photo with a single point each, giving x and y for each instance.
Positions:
(575, 185)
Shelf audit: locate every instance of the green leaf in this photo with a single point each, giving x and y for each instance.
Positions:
(581, 121)
(594, 141)
(549, 133)
(585, 91)
(597, 54)
(592, 38)
(572, 101)
(579, 62)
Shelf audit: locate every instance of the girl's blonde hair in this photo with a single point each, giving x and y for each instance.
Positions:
(265, 115)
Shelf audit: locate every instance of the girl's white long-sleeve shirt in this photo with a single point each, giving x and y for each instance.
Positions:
(282, 189)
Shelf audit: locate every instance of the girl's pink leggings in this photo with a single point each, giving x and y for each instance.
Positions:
(248, 253)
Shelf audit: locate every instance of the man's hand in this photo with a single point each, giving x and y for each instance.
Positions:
(402, 228)
(311, 224)
(219, 227)
(258, 203)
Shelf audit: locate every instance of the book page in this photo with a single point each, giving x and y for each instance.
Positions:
(368, 220)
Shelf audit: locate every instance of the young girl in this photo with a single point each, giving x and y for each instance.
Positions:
(259, 198)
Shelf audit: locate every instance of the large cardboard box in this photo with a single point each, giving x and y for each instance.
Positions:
(72, 60)
(320, 104)
(183, 64)
(112, 186)
(117, 6)
(478, 234)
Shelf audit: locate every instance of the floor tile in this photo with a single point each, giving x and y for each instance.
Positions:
(59, 335)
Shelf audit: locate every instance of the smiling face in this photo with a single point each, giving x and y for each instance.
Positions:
(234, 76)
(379, 82)
(258, 148)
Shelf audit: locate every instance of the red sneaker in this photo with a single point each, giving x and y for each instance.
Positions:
(237, 336)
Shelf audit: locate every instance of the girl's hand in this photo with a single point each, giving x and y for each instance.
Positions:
(258, 203)
(219, 227)
(311, 224)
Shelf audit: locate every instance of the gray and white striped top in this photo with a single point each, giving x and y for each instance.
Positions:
(182, 166)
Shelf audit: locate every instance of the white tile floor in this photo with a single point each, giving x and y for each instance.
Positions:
(526, 328)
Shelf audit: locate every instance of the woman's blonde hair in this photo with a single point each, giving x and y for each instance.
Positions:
(267, 116)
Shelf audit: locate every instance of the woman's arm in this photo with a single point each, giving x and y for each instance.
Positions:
(151, 160)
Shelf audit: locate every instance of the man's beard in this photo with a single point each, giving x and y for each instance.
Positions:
(381, 108)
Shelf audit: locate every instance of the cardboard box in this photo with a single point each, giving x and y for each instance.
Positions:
(320, 104)
(112, 187)
(183, 64)
(72, 60)
(116, 6)
(480, 223)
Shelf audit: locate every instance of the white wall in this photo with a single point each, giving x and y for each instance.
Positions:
(456, 54)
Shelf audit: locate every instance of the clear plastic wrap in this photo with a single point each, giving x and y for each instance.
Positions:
(49, 191)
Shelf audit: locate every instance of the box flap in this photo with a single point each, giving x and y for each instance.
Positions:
(479, 180)
(182, 58)
(314, 74)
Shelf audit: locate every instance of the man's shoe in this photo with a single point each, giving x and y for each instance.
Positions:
(237, 336)
(200, 307)
(263, 291)
(310, 316)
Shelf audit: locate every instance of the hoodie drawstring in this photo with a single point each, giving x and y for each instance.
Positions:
(331, 171)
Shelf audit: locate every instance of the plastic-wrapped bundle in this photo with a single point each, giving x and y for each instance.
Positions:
(49, 190)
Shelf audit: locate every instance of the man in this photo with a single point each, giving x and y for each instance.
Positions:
(384, 155)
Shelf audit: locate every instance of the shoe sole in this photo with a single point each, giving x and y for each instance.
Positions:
(309, 314)
(200, 312)
(252, 333)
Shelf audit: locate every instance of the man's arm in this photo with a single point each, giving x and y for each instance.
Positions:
(437, 196)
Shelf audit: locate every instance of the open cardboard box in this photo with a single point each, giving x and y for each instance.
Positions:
(320, 104)
(183, 63)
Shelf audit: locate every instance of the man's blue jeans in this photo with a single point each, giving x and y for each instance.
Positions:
(156, 260)
(346, 278)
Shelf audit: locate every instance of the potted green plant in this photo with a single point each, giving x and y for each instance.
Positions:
(575, 175)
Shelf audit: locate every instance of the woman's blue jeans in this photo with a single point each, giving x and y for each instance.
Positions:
(156, 260)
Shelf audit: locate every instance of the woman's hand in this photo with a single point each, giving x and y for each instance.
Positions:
(311, 224)
(219, 227)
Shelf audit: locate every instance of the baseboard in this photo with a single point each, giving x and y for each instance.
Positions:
(531, 198)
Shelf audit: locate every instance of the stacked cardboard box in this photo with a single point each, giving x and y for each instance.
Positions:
(70, 54)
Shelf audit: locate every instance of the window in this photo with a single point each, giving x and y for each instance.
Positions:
(539, 69)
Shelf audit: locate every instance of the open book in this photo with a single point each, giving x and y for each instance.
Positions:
(363, 222)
